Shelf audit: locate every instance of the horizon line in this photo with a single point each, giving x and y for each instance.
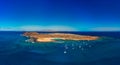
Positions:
(55, 31)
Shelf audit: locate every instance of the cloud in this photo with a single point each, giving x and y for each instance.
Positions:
(47, 28)
(8, 29)
(106, 29)
(40, 28)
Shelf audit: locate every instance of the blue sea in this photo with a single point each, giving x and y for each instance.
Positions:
(104, 51)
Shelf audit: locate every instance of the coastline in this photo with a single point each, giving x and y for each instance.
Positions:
(50, 37)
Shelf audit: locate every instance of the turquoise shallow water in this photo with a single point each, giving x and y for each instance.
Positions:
(105, 51)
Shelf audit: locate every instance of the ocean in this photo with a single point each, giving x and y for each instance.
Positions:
(104, 51)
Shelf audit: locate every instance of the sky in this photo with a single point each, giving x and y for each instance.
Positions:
(59, 15)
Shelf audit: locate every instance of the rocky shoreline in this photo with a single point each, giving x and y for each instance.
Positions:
(51, 37)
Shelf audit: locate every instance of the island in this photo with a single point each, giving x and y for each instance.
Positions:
(52, 37)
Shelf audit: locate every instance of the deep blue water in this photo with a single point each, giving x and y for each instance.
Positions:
(105, 51)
